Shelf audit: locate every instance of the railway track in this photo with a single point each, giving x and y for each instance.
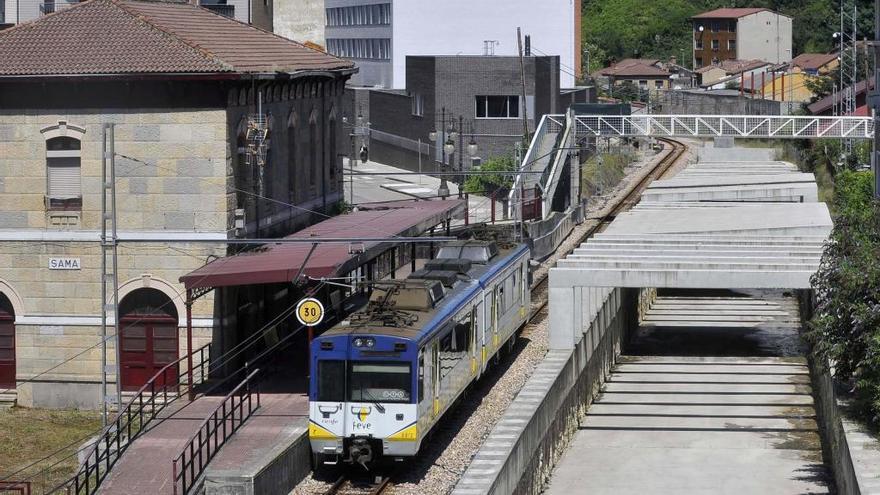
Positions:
(349, 485)
(630, 200)
(352, 484)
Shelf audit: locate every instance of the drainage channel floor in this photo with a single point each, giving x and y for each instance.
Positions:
(695, 424)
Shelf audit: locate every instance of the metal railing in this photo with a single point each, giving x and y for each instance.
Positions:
(537, 157)
(742, 126)
(15, 487)
(163, 388)
(213, 434)
(222, 9)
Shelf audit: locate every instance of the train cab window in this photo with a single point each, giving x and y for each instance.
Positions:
(331, 381)
(379, 382)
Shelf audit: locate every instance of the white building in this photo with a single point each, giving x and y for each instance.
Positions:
(380, 34)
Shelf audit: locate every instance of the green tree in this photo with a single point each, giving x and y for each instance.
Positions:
(492, 183)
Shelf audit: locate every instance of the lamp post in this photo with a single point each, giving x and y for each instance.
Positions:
(447, 135)
(362, 129)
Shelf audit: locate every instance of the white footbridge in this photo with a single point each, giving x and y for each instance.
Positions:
(555, 140)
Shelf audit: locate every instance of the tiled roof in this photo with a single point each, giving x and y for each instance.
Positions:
(635, 67)
(826, 103)
(813, 61)
(734, 66)
(729, 13)
(115, 37)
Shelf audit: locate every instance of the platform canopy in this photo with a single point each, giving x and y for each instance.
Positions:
(280, 263)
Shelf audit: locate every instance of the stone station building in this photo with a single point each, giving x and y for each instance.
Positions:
(182, 87)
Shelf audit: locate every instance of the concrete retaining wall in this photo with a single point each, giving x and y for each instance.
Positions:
(852, 452)
(520, 452)
(275, 473)
(547, 235)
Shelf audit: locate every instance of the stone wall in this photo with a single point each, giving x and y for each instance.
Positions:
(177, 179)
(174, 184)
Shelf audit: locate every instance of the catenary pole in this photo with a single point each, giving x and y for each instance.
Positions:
(875, 103)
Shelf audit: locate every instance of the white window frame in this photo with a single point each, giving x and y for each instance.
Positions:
(63, 130)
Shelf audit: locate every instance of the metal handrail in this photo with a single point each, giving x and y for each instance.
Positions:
(21, 487)
(213, 434)
(123, 430)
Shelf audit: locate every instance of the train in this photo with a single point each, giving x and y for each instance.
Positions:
(383, 379)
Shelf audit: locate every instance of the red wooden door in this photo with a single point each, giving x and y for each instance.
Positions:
(148, 345)
(7, 351)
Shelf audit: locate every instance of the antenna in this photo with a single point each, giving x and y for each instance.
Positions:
(849, 74)
(489, 47)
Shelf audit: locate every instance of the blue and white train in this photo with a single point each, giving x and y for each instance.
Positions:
(381, 381)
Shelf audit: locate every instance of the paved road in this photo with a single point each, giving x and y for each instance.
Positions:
(703, 425)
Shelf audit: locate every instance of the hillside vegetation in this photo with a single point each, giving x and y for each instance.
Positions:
(618, 29)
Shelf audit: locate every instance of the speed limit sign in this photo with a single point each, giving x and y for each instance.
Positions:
(310, 312)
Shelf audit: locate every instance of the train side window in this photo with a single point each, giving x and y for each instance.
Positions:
(331, 381)
(421, 377)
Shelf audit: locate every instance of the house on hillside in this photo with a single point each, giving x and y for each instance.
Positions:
(646, 74)
(195, 160)
(728, 72)
(825, 106)
(815, 64)
(741, 34)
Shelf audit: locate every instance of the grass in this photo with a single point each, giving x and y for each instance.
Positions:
(28, 435)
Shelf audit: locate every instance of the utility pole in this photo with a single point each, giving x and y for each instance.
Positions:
(875, 101)
(523, 106)
(109, 269)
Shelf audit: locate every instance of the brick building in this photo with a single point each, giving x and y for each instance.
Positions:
(741, 34)
(181, 97)
(486, 92)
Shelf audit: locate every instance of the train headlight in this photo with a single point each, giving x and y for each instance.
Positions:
(370, 342)
(364, 342)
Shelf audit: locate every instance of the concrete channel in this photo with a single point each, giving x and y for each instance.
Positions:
(676, 362)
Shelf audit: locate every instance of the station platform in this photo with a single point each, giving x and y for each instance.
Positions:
(269, 454)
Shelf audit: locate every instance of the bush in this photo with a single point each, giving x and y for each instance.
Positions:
(846, 325)
(489, 183)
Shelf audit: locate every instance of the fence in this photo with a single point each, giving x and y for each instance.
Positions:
(213, 434)
(164, 387)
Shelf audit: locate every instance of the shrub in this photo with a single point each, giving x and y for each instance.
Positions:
(846, 325)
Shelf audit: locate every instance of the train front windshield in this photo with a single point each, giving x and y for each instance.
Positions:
(379, 382)
(366, 381)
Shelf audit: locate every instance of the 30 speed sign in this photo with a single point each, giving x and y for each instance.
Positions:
(310, 312)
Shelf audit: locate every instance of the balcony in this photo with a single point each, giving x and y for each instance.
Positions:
(222, 9)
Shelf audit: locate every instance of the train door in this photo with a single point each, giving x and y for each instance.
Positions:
(435, 379)
(476, 332)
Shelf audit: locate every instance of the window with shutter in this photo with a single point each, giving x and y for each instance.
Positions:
(63, 182)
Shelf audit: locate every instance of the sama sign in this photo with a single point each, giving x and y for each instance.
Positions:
(64, 264)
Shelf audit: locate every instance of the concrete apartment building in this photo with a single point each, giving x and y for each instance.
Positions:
(183, 171)
(741, 34)
(379, 35)
(485, 91)
(256, 12)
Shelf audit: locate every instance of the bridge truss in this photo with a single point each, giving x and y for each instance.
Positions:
(738, 126)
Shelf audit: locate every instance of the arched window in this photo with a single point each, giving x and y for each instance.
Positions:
(63, 173)
(292, 159)
(314, 166)
(331, 144)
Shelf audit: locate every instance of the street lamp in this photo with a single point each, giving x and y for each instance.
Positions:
(448, 147)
